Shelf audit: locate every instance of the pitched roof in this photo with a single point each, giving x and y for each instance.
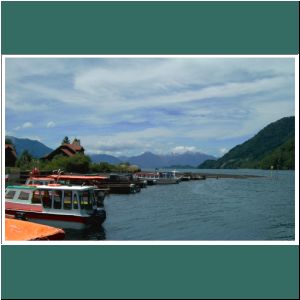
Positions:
(67, 152)
(72, 147)
(11, 148)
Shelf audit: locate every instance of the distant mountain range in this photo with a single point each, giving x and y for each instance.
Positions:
(151, 160)
(34, 147)
(96, 158)
(273, 146)
(145, 160)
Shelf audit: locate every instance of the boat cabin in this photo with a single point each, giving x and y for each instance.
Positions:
(63, 198)
(169, 174)
(68, 207)
(40, 181)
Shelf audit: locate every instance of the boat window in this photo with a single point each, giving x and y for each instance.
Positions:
(24, 196)
(75, 200)
(36, 198)
(10, 194)
(57, 196)
(86, 200)
(46, 199)
(67, 199)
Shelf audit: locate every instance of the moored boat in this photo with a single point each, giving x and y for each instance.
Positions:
(106, 184)
(68, 207)
(18, 230)
(168, 177)
(150, 177)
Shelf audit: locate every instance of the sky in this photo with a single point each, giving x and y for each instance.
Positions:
(126, 106)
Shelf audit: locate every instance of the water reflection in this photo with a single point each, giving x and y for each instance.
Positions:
(93, 233)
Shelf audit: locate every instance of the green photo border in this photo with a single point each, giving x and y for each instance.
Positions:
(149, 272)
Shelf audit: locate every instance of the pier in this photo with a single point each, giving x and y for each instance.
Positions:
(201, 176)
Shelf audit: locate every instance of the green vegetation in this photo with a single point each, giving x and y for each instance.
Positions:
(282, 157)
(110, 168)
(79, 163)
(8, 141)
(25, 160)
(65, 140)
(272, 146)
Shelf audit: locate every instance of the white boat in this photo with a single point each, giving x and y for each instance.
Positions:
(67, 207)
(168, 177)
(150, 177)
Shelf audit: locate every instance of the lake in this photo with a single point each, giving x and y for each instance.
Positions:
(203, 210)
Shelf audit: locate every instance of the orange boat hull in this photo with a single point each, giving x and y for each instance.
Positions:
(17, 230)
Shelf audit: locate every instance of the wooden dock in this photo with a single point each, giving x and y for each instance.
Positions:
(201, 176)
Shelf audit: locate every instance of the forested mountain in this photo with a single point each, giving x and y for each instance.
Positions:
(34, 147)
(273, 146)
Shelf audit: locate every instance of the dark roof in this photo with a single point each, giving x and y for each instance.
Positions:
(67, 152)
(67, 149)
(11, 148)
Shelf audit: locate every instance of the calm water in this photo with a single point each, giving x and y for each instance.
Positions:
(223, 209)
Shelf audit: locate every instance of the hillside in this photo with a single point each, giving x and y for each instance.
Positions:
(274, 142)
(34, 147)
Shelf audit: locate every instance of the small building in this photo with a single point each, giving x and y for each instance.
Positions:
(66, 150)
(10, 155)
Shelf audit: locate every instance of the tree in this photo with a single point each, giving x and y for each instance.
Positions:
(8, 141)
(25, 160)
(65, 140)
(78, 163)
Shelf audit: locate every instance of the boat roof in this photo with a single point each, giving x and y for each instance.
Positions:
(145, 173)
(78, 177)
(47, 187)
(41, 178)
(22, 187)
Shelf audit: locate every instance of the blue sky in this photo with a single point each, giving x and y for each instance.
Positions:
(126, 106)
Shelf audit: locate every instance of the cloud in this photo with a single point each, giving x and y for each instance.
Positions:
(223, 151)
(50, 124)
(183, 149)
(148, 103)
(27, 125)
(24, 126)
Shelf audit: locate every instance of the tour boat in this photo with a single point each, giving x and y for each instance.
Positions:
(168, 177)
(57, 180)
(150, 177)
(111, 184)
(67, 207)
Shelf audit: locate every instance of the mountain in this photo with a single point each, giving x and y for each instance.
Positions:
(96, 158)
(34, 147)
(151, 160)
(273, 146)
(146, 160)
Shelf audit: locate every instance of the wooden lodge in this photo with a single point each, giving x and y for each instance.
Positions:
(66, 150)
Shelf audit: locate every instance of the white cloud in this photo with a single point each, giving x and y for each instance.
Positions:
(223, 150)
(183, 149)
(215, 98)
(122, 143)
(50, 124)
(27, 125)
(24, 126)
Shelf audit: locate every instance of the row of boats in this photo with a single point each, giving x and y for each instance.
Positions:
(71, 201)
